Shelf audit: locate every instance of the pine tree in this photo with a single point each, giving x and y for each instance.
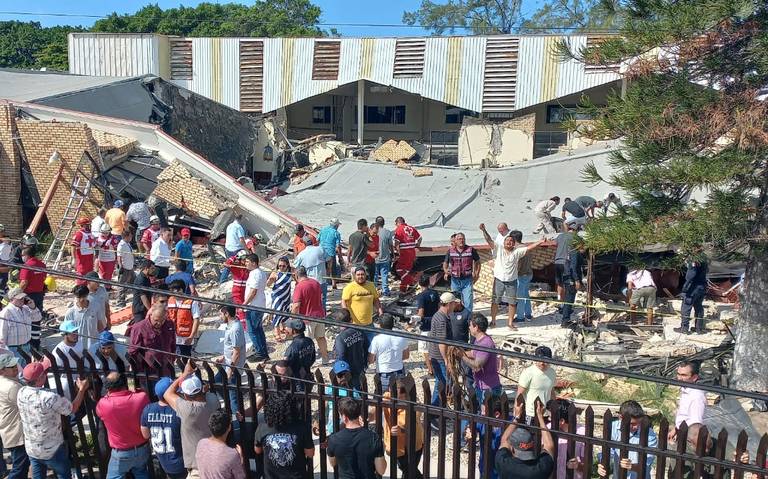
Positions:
(694, 124)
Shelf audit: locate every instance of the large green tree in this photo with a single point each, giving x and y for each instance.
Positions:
(694, 125)
(32, 46)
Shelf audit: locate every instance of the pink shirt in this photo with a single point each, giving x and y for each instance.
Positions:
(640, 278)
(121, 413)
(218, 461)
(691, 407)
(562, 455)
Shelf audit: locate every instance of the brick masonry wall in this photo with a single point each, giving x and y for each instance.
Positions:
(10, 172)
(526, 123)
(72, 140)
(178, 186)
(542, 257)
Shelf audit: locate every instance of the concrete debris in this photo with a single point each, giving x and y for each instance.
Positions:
(394, 151)
(667, 349)
(422, 172)
(325, 152)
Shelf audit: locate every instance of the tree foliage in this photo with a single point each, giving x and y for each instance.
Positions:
(566, 16)
(29, 45)
(694, 127)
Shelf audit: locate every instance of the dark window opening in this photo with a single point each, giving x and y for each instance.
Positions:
(321, 115)
(455, 115)
(383, 115)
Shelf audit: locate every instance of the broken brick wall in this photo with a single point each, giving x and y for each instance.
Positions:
(72, 140)
(179, 187)
(540, 258)
(10, 172)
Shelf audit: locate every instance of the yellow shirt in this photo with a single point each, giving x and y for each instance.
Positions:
(359, 299)
(115, 218)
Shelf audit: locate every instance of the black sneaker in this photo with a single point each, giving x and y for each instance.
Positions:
(682, 330)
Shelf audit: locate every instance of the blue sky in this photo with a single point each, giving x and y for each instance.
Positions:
(334, 11)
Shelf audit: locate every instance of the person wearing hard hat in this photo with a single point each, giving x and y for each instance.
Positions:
(106, 254)
(83, 244)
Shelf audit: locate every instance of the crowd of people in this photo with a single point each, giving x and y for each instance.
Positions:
(187, 429)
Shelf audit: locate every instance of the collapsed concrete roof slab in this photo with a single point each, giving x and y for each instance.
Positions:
(29, 85)
(448, 201)
(259, 215)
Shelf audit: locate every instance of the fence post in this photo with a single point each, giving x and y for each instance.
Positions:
(762, 448)
(620, 472)
(458, 431)
(642, 456)
(412, 431)
(89, 406)
(427, 427)
(589, 433)
(682, 442)
(661, 461)
(722, 443)
(321, 423)
(701, 450)
(570, 450)
(741, 446)
(606, 458)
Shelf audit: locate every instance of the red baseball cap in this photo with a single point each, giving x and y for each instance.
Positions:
(185, 232)
(33, 371)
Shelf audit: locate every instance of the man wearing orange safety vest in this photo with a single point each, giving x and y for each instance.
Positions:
(185, 314)
(83, 243)
(407, 241)
(236, 265)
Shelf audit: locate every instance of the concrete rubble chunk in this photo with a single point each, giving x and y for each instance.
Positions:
(422, 172)
(394, 151)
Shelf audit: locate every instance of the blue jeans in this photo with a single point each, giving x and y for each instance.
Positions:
(19, 464)
(324, 289)
(382, 271)
(524, 297)
(481, 393)
(224, 275)
(254, 320)
(233, 406)
(133, 461)
(15, 349)
(441, 377)
(59, 463)
(464, 286)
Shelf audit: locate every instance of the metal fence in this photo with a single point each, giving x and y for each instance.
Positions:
(90, 453)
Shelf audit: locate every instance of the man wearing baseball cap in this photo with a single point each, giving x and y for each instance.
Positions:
(115, 218)
(193, 407)
(517, 457)
(300, 354)
(160, 422)
(11, 433)
(83, 244)
(40, 410)
(440, 328)
(183, 250)
(330, 240)
(537, 381)
(16, 322)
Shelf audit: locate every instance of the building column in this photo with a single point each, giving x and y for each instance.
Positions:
(360, 110)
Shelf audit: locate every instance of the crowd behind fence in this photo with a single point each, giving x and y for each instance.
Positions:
(90, 452)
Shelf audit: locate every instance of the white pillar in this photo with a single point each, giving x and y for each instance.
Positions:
(360, 110)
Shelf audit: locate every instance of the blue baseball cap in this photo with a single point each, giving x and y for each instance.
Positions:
(340, 366)
(118, 203)
(162, 385)
(106, 338)
(68, 327)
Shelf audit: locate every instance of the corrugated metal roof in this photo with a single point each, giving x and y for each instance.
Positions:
(453, 69)
(26, 85)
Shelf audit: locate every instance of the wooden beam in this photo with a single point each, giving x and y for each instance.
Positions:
(43, 207)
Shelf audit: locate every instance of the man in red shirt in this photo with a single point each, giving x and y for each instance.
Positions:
(150, 234)
(120, 411)
(373, 250)
(153, 339)
(33, 285)
(407, 242)
(236, 265)
(83, 243)
(308, 301)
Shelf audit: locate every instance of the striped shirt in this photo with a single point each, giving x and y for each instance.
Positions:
(16, 324)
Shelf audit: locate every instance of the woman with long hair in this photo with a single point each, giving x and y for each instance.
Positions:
(280, 281)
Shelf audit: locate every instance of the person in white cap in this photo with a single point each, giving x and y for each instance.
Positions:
(98, 221)
(194, 409)
(106, 253)
(16, 322)
(330, 240)
(440, 328)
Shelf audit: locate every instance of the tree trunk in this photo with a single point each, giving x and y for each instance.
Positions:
(750, 361)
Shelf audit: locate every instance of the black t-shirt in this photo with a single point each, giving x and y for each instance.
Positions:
(508, 466)
(355, 451)
(137, 306)
(283, 450)
(352, 346)
(300, 354)
(460, 325)
(430, 301)
(574, 209)
(359, 242)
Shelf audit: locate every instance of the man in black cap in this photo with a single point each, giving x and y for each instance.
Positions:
(537, 381)
(300, 354)
(517, 457)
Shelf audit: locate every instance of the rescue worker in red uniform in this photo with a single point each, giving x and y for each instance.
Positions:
(83, 243)
(185, 314)
(106, 253)
(407, 241)
(236, 265)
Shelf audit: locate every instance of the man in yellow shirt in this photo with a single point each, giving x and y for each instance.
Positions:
(360, 297)
(115, 218)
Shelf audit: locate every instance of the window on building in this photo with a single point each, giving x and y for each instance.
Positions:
(560, 113)
(383, 115)
(455, 115)
(321, 115)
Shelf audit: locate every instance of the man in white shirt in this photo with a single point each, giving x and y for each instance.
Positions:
(641, 289)
(160, 254)
(88, 317)
(693, 402)
(505, 267)
(16, 322)
(537, 381)
(543, 211)
(70, 343)
(98, 221)
(388, 353)
(254, 296)
(125, 265)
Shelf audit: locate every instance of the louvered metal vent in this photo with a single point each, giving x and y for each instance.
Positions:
(595, 67)
(325, 60)
(409, 58)
(500, 83)
(181, 59)
(251, 75)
